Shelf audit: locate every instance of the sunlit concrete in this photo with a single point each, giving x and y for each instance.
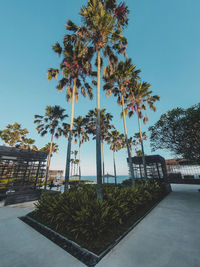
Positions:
(22, 246)
(168, 237)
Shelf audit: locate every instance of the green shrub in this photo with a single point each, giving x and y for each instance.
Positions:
(81, 217)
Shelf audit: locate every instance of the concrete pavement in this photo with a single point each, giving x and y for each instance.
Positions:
(22, 246)
(167, 237)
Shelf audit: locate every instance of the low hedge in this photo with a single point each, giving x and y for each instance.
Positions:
(79, 216)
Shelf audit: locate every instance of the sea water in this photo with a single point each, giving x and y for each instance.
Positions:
(93, 179)
(120, 179)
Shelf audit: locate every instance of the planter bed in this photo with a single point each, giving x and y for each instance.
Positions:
(88, 257)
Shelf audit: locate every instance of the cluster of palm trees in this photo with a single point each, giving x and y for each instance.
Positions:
(75, 172)
(52, 123)
(98, 41)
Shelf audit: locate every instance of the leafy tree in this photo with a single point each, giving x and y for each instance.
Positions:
(13, 134)
(50, 123)
(117, 84)
(139, 97)
(116, 142)
(75, 67)
(80, 136)
(105, 126)
(178, 131)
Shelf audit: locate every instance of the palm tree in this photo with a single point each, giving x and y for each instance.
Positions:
(46, 148)
(116, 142)
(138, 99)
(75, 67)
(105, 126)
(137, 141)
(50, 122)
(74, 163)
(25, 143)
(103, 23)
(80, 136)
(117, 83)
(71, 163)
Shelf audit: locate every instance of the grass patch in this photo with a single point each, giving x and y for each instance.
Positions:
(80, 217)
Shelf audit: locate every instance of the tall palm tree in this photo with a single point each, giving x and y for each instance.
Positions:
(116, 142)
(105, 126)
(80, 136)
(103, 22)
(50, 122)
(75, 67)
(140, 96)
(74, 164)
(71, 164)
(117, 83)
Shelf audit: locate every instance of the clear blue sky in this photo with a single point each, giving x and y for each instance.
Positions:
(163, 41)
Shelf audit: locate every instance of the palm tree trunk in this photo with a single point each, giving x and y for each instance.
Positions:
(114, 167)
(142, 146)
(98, 135)
(128, 149)
(70, 139)
(48, 162)
(74, 171)
(79, 153)
(71, 167)
(103, 160)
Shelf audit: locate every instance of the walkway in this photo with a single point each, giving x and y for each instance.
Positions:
(168, 237)
(22, 246)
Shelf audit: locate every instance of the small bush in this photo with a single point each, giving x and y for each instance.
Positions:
(81, 217)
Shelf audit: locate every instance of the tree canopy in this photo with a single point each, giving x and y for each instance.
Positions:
(15, 135)
(178, 131)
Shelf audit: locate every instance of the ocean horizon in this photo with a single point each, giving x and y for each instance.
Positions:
(93, 178)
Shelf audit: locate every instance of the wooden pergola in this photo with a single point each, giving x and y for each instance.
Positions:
(19, 167)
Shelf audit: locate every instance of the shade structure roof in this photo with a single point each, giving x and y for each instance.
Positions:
(148, 159)
(13, 153)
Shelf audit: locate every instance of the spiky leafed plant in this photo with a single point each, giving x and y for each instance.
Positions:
(116, 142)
(50, 123)
(117, 84)
(75, 67)
(105, 126)
(140, 96)
(103, 23)
(80, 136)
